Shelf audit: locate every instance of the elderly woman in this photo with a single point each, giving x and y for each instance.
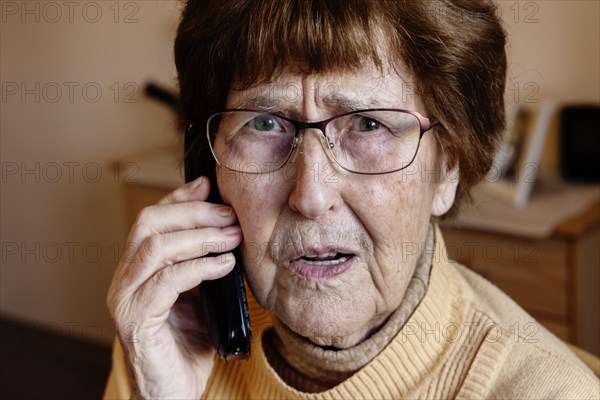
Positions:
(336, 133)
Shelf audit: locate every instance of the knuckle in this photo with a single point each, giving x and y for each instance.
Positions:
(143, 215)
(152, 247)
(140, 227)
(163, 278)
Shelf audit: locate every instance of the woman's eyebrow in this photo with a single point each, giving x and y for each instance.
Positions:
(259, 102)
(342, 103)
(335, 101)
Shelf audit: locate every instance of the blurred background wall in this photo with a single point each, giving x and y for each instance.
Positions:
(72, 102)
(72, 75)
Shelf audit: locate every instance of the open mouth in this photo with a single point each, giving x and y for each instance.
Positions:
(331, 258)
(322, 265)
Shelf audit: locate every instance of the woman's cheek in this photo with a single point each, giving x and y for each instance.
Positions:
(257, 211)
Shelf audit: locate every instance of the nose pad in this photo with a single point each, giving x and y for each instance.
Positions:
(326, 144)
(297, 147)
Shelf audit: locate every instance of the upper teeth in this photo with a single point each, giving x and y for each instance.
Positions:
(325, 255)
(310, 259)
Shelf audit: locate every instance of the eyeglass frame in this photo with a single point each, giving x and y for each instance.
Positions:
(425, 125)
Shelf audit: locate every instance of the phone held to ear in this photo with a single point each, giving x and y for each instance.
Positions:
(226, 311)
(224, 301)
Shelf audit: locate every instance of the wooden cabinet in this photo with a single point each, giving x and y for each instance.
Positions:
(555, 279)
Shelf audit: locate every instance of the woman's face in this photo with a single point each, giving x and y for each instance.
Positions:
(329, 252)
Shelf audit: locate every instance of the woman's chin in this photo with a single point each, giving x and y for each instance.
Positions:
(330, 335)
(326, 321)
(337, 342)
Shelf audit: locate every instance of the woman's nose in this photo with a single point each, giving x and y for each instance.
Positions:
(316, 186)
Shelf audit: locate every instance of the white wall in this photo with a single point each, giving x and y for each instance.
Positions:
(554, 52)
(55, 221)
(554, 44)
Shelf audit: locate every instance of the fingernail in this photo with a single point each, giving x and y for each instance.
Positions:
(224, 211)
(231, 230)
(196, 184)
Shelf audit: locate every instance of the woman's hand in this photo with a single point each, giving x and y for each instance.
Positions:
(166, 345)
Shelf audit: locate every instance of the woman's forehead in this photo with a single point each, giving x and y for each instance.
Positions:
(369, 87)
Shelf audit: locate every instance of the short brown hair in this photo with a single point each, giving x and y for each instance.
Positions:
(455, 50)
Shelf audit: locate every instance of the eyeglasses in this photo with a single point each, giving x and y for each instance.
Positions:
(373, 141)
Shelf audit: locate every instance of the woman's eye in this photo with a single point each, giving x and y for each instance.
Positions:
(365, 124)
(264, 123)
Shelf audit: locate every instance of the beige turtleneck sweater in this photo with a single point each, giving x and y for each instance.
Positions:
(459, 342)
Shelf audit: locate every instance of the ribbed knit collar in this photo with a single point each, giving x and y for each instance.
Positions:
(312, 368)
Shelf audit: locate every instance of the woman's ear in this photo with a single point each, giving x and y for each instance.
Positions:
(445, 191)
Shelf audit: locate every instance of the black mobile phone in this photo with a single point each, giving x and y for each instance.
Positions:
(224, 301)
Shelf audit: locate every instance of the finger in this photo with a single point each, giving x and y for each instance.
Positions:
(165, 218)
(159, 293)
(197, 189)
(161, 251)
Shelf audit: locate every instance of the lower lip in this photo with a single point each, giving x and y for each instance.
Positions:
(313, 272)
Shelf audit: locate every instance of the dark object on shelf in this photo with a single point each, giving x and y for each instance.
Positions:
(164, 96)
(580, 143)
